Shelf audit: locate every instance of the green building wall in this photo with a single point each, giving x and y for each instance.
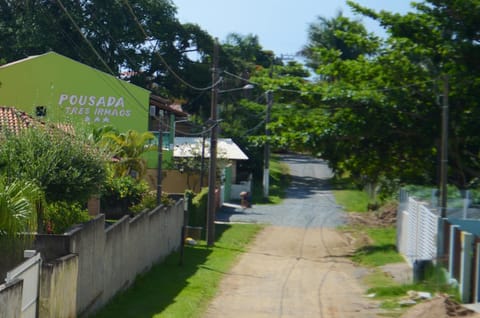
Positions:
(73, 92)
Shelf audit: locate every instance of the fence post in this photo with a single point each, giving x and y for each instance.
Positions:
(451, 260)
(476, 296)
(465, 203)
(433, 199)
(466, 267)
(440, 241)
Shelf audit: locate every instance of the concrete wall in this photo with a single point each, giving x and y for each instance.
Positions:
(11, 299)
(88, 242)
(52, 246)
(58, 288)
(115, 268)
(11, 253)
(84, 268)
(108, 259)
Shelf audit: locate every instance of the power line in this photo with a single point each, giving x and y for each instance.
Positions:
(163, 60)
(320, 93)
(254, 128)
(97, 54)
(241, 78)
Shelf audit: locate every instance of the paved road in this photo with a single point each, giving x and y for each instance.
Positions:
(309, 202)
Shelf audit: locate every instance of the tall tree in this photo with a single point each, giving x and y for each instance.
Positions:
(444, 39)
(348, 38)
(376, 114)
(142, 37)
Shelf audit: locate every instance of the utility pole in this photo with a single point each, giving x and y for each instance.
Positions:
(266, 166)
(213, 151)
(202, 166)
(160, 157)
(444, 150)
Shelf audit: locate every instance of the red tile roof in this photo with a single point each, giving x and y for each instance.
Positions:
(14, 120)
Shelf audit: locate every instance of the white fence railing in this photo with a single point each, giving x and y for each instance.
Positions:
(417, 230)
(29, 272)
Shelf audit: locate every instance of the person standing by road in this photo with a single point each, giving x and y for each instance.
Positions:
(244, 200)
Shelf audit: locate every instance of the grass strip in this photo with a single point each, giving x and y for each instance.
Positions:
(173, 290)
(381, 251)
(279, 181)
(352, 200)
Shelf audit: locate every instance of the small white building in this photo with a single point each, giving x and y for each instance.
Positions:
(227, 150)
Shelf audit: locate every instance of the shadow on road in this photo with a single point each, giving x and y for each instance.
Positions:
(314, 189)
(290, 158)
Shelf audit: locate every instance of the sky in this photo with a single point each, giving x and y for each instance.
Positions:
(281, 25)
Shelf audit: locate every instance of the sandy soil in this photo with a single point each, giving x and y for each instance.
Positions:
(439, 307)
(294, 272)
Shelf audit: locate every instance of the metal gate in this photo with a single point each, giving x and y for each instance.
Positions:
(29, 272)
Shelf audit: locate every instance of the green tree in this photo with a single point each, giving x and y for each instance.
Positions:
(443, 39)
(348, 39)
(243, 53)
(376, 114)
(141, 36)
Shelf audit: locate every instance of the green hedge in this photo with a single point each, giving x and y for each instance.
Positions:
(197, 208)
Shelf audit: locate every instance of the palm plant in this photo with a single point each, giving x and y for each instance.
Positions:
(129, 147)
(18, 206)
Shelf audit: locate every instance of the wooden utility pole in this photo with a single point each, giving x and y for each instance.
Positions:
(202, 163)
(444, 150)
(266, 167)
(212, 178)
(160, 157)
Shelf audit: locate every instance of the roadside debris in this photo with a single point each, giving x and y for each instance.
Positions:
(440, 306)
(384, 216)
(190, 241)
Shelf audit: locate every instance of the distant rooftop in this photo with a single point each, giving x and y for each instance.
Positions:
(192, 147)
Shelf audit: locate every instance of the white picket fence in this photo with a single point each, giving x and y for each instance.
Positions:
(417, 230)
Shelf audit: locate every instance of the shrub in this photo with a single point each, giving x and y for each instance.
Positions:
(149, 202)
(122, 193)
(198, 209)
(61, 215)
(65, 167)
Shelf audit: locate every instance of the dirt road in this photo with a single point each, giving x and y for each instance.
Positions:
(296, 267)
(293, 272)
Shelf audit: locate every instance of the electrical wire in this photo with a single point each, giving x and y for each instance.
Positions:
(254, 128)
(98, 55)
(241, 78)
(319, 93)
(178, 77)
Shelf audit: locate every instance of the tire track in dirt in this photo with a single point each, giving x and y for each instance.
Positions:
(326, 258)
(296, 267)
